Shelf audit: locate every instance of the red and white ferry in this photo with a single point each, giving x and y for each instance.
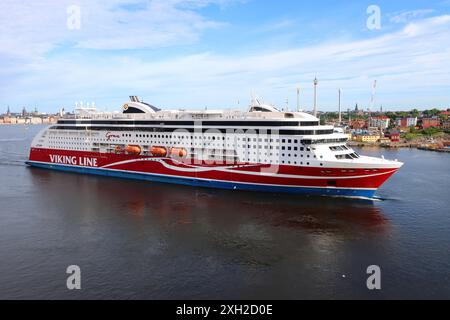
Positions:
(263, 149)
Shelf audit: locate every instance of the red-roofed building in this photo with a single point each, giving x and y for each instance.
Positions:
(358, 124)
(407, 122)
(430, 122)
(395, 137)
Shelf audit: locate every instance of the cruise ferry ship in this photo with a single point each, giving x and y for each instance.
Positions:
(263, 149)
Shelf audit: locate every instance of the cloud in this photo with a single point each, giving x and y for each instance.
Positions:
(278, 25)
(411, 66)
(406, 16)
(35, 27)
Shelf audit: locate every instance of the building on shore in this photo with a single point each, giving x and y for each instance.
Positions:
(394, 136)
(9, 119)
(370, 138)
(446, 125)
(384, 140)
(26, 117)
(406, 122)
(381, 122)
(426, 123)
(12, 119)
(358, 124)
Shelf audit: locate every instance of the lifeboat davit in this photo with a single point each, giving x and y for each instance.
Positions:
(135, 150)
(159, 151)
(178, 153)
(118, 149)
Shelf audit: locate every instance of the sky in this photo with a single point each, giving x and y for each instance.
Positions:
(196, 54)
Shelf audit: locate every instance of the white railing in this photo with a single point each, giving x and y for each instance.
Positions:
(191, 115)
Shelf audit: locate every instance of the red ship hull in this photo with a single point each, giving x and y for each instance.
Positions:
(358, 182)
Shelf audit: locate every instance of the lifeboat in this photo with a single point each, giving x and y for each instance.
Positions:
(178, 153)
(134, 150)
(158, 151)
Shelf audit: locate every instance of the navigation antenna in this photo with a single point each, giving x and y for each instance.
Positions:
(340, 112)
(372, 100)
(316, 82)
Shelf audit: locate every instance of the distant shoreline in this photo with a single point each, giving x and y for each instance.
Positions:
(406, 145)
(26, 124)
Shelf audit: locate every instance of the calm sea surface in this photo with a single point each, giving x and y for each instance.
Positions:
(136, 239)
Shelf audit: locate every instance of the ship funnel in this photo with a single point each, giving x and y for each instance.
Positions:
(134, 99)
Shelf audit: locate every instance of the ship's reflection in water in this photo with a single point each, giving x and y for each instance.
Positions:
(149, 240)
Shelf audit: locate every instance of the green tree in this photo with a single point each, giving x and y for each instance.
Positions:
(432, 113)
(431, 131)
(415, 113)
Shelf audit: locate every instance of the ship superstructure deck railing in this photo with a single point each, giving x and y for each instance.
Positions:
(192, 115)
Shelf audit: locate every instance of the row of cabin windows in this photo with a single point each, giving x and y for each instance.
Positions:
(301, 155)
(286, 162)
(71, 143)
(284, 141)
(179, 142)
(66, 138)
(289, 148)
(200, 138)
(243, 146)
(215, 145)
(249, 147)
(265, 154)
(295, 148)
(300, 163)
(195, 137)
(218, 145)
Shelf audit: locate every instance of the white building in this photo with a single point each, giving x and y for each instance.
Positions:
(407, 122)
(379, 122)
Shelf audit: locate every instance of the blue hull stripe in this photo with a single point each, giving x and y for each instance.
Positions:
(364, 193)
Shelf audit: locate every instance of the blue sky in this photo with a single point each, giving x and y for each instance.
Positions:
(214, 53)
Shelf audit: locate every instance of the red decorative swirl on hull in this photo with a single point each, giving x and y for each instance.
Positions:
(244, 173)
